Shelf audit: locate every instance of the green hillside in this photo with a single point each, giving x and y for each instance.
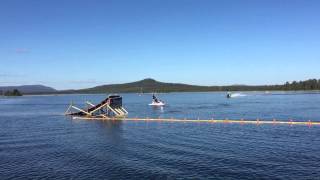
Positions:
(151, 85)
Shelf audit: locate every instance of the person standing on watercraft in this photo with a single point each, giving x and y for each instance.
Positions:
(156, 101)
(155, 98)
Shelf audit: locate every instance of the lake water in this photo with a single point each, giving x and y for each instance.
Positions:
(37, 141)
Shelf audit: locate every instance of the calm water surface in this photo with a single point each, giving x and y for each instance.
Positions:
(37, 141)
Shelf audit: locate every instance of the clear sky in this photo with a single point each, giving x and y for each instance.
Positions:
(82, 43)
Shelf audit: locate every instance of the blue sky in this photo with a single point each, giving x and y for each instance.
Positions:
(83, 43)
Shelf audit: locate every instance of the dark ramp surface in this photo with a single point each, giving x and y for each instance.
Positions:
(37, 141)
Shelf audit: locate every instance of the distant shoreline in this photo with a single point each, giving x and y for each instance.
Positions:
(153, 86)
(149, 93)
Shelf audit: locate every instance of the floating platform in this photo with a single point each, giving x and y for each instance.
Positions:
(225, 121)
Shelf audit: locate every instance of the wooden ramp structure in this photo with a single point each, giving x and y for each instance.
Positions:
(109, 107)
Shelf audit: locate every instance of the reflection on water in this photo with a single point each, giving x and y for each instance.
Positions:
(158, 109)
(111, 129)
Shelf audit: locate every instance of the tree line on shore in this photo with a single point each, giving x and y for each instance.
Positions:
(151, 85)
(311, 84)
(14, 92)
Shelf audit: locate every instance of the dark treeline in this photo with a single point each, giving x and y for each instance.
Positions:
(151, 85)
(14, 92)
(311, 84)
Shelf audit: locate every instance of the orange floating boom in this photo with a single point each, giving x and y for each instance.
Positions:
(242, 121)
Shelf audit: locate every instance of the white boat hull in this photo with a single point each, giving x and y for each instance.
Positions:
(157, 104)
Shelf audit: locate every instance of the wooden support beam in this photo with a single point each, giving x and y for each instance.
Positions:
(67, 111)
(81, 110)
(89, 103)
(119, 111)
(102, 106)
(124, 110)
(112, 110)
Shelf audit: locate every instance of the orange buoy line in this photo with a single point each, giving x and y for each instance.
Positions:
(242, 121)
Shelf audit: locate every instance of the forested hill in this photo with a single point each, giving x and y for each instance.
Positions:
(28, 89)
(151, 85)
